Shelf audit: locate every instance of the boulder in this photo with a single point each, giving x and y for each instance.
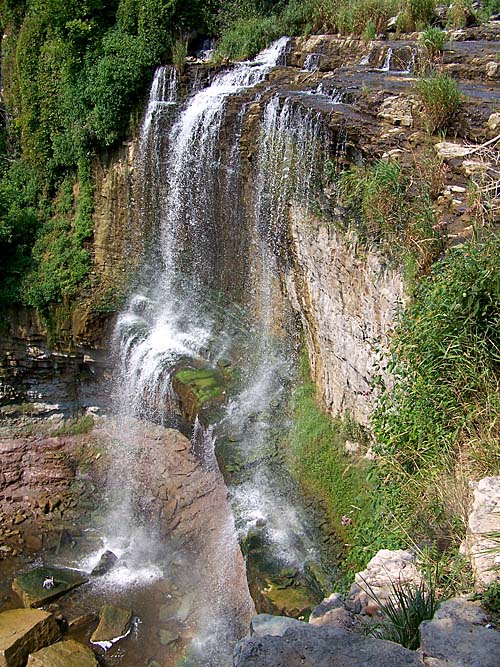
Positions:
(333, 601)
(30, 586)
(484, 520)
(23, 631)
(106, 562)
(455, 636)
(384, 570)
(307, 646)
(114, 624)
(276, 626)
(338, 618)
(68, 653)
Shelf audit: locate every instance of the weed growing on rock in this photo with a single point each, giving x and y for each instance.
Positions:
(490, 599)
(390, 206)
(433, 40)
(441, 418)
(404, 610)
(441, 100)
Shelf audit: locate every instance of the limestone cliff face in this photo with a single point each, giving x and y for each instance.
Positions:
(59, 364)
(347, 299)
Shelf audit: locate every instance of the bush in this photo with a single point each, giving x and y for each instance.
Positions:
(391, 207)
(247, 37)
(445, 360)
(433, 39)
(417, 13)
(441, 100)
(461, 14)
(490, 598)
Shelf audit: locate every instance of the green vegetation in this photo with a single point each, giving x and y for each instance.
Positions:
(433, 39)
(439, 423)
(75, 426)
(490, 599)
(348, 492)
(73, 73)
(441, 100)
(406, 608)
(391, 206)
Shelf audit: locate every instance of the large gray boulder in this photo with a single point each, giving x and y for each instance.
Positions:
(23, 631)
(458, 637)
(309, 646)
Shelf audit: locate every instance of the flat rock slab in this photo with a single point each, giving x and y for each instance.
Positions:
(30, 588)
(309, 646)
(68, 653)
(23, 631)
(267, 624)
(114, 624)
(459, 643)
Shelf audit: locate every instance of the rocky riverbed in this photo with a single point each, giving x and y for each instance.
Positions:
(177, 585)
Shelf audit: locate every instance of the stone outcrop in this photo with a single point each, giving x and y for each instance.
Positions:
(459, 636)
(385, 570)
(23, 631)
(114, 624)
(68, 653)
(308, 646)
(35, 469)
(482, 543)
(33, 590)
(347, 299)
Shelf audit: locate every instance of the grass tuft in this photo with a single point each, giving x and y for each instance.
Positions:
(406, 608)
(441, 100)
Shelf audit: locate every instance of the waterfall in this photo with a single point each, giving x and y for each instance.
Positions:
(187, 187)
(288, 155)
(312, 62)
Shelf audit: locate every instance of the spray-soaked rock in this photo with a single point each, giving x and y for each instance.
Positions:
(114, 624)
(106, 562)
(68, 653)
(307, 646)
(44, 584)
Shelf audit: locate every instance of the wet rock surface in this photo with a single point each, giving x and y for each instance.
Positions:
(114, 624)
(67, 653)
(322, 647)
(23, 631)
(44, 584)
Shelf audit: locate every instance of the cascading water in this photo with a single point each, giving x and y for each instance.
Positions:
(289, 151)
(177, 313)
(196, 306)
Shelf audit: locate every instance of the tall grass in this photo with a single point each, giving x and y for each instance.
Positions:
(391, 206)
(441, 100)
(404, 610)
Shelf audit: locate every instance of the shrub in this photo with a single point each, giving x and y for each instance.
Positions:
(444, 404)
(179, 53)
(433, 40)
(490, 598)
(391, 207)
(441, 100)
(247, 37)
(460, 14)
